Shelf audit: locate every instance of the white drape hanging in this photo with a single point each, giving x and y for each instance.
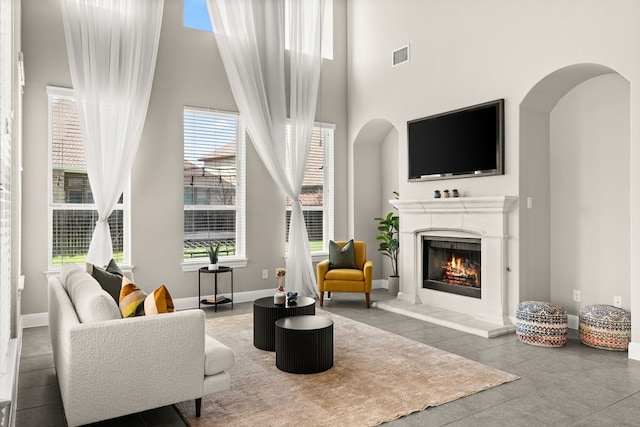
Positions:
(112, 47)
(250, 36)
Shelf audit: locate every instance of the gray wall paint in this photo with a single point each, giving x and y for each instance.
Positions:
(189, 72)
(463, 53)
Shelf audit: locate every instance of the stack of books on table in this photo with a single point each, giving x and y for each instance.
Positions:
(219, 299)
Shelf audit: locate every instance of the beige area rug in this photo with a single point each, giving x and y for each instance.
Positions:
(377, 376)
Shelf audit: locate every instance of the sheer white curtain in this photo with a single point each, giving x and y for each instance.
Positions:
(250, 36)
(112, 47)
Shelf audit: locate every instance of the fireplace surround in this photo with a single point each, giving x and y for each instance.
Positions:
(452, 265)
(481, 221)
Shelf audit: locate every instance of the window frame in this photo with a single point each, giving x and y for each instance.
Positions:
(125, 264)
(328, 190)
(240, 258)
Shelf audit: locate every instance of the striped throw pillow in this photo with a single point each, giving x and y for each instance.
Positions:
(131, 299)
(159, 301)
(135, 302)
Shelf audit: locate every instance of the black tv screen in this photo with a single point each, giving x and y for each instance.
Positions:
(457, 144)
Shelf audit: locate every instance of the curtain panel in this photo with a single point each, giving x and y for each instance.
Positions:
(112, 47)
(251, 39)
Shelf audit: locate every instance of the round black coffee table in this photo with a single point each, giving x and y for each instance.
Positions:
(265, 314)
(304, 344)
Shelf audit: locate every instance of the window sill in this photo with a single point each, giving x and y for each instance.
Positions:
(55, 271)
(195, 265)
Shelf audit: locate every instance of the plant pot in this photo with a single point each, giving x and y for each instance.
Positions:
(213, 266)
(394, 285)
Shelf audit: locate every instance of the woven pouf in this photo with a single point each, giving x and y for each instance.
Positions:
(541, 323)
(605, 326)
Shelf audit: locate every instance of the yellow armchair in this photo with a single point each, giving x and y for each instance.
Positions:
(347, 279)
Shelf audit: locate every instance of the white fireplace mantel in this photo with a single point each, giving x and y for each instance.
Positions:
(495, 204)
(485, 218)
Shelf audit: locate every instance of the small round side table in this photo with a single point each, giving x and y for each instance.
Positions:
(220, 270)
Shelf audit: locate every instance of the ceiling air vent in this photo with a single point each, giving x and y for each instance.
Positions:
(400, 56)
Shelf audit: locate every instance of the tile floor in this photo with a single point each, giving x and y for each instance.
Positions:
(570, 386)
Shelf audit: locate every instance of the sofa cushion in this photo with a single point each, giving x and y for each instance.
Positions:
(158, 301)
(341, 257)
(110, 278)
(217, 356)
(66, 272)
(91, 302)
(131, 299)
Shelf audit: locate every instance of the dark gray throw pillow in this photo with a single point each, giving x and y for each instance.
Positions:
(342, 257)
(110, 278)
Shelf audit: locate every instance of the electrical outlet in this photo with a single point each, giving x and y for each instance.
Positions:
(265, 274)
(529, 202)
(576, 295)
(617, 302)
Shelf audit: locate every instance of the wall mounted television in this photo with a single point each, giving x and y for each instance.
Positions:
(462, 143)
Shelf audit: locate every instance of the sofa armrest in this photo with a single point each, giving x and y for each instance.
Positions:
(321, 269)
(128, 365)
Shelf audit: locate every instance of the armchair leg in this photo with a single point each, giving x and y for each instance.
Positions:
(321, 298)
(198, 406)
(368, 298)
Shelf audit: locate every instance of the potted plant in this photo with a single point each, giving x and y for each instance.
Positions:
(390, 246)
(212, 251)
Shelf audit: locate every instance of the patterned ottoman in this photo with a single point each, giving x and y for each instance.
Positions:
(541, 323)
(605, 326)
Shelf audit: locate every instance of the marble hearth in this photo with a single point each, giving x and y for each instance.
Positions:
(483, 218)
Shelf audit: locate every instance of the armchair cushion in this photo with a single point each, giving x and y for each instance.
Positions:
(341, 257)
(345, 274)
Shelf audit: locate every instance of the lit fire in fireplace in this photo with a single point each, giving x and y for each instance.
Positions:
(461, 272)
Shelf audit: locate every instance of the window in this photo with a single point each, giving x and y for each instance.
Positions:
(316, 194)
(196, 15)
(214, 185)
(72, 211)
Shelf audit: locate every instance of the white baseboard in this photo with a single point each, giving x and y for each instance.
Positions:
(380, 284)
(34, 320)
(573, 321)
(634, 350)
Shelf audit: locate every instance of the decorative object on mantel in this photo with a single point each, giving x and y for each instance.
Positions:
(292, 297)
(455, 193)
(212, 251)
(390, 245)
(445, 194)
(280, 296)
(436, 194)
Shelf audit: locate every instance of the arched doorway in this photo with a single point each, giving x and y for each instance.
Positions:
(375, 177)
(574, 188)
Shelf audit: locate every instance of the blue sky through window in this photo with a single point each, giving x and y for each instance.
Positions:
(196, 15)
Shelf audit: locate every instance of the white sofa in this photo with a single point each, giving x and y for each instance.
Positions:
(108, 366)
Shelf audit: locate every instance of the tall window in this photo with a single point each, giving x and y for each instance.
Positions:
(214, 184)
(317, 190)
(195, 15)
(72, 211)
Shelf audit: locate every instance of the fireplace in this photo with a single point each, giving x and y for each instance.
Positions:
(452, 265)
(476, 226)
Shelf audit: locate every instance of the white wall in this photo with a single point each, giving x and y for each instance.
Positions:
(590, 220)
(464, 52)
(189, 72)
